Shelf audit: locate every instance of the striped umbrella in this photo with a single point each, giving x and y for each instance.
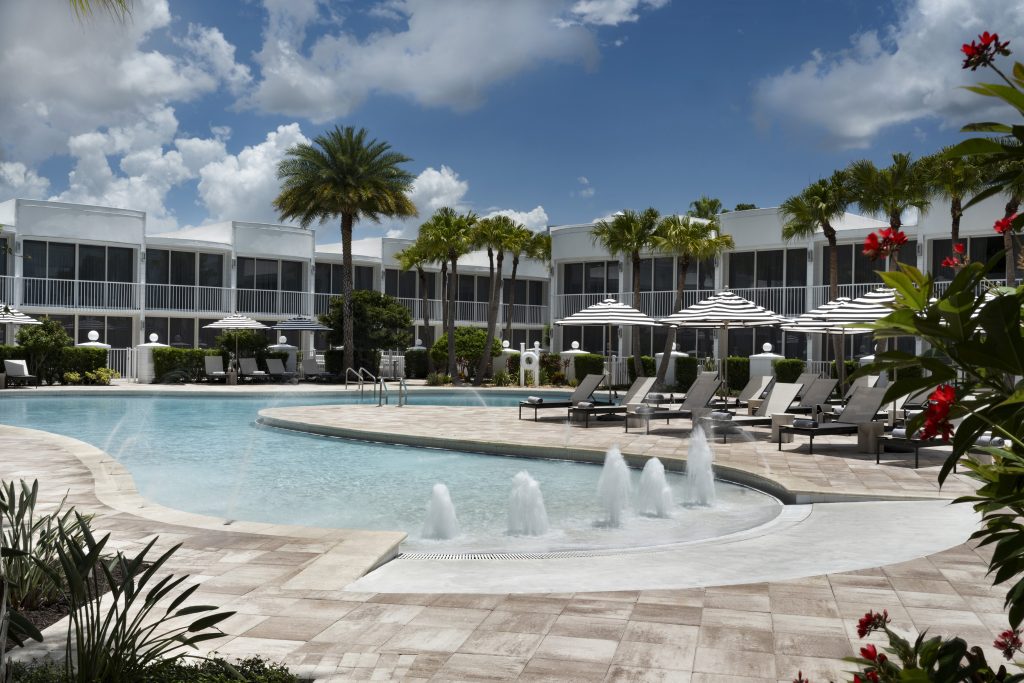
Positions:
(236, 321)
(722, 311)
(813, 321)
(301, 324)
(868, 308)
(611, 313)
(11, 316)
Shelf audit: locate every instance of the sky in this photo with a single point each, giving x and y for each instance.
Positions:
(552, 111)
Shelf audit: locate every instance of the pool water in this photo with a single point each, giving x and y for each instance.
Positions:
(207, 455)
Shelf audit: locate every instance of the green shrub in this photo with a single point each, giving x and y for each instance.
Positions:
(101, 376)
(212, 670)
(334, 361)
(513, 364)
(648, 364)
(416, 366)
(502, 378)
(71, 378)
(171, 365)
(557, 378)
(851, 367)
(44, 345)
(788, 369)
(588, 364)
(82, 359)
(58, 362)
(469, 347)
(910, 372)
(686, 372)
(739, 372)
(551, 363)
(436, 379)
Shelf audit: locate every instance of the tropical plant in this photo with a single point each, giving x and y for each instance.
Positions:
(523, 242)
(744, 207)
(342, 174)
(953, 179)
(628, 234)
(247, 343)
(492, 234)
(415, 257)
(816, 208)
(705, 207)
(688, 239)
(44, 344)
(448, 235)
(380, 321)
(119, 9)
(470, 345)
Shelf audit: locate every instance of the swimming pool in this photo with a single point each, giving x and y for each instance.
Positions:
(207, 455)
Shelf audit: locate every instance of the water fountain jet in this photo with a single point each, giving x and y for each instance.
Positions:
(699, 488)
(613, 487)
(655, 497)
(526, 513)
(441, 522)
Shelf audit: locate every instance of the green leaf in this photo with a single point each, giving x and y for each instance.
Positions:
(985, 127)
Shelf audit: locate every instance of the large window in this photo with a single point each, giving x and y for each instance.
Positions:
(400, 283)
(769, 268)
(856, 268)
(701, 275)
(656, 275)
(595, 277)
(328, 278)
(171, 277)
(92, 265)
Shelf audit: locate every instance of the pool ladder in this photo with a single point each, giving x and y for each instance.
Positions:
(363, 376)
(384, 394)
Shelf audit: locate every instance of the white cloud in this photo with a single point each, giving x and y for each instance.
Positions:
(63, 77)
(445, 53)
(434, 188)
(612, 12)
(907, 72)
(243, 186)
(535, 219)
(19, 181)
(587, 190)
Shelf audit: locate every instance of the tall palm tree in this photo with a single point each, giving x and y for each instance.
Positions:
(1013, 190)
(491, 234)
(628, 234)
(448, 234)
(343, 174)
(952, 179)
(706, 207)
(415, 257)
(119, 9)
(890, 191)
(688, 239)
(817, 207)
(518, 243)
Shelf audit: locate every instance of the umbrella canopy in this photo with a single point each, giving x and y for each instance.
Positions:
(12, 316)
(300, 324)
(724, 310)
(609, 312)
(236, 321)
(869, 308)
(813, 321)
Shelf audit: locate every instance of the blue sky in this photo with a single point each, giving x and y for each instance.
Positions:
(560, 111)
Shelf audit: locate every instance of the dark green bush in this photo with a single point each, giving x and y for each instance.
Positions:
(910, 372)
(851, 367)
(739, 372)
(788, 369)
(551, 363)
(469, 347)
(334, 361)
(214, 670)
(416, 364)
(649, 368)
(82, 359)
(171, 365)
(513, 364)
(588, 364)
(44, 344)
(686, 372)
(55, 364)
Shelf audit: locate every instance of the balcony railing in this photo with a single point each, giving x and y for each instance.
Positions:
(526, 315)
(272, 302)
(187, 298)
(7, 291)
(53, 293)
(657, 304)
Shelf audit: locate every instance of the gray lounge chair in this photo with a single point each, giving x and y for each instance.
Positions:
(584, 391)
(247, 368)
(779, 399)
(805, 380)
(754, 389)
(214, 368)
(635, 395)
(816, 395)
(17, 373)
(860, 410)
(275, 368)
(866, 381)
(698, 400)
(311, 370)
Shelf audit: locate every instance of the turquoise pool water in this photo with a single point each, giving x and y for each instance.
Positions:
(207, 455)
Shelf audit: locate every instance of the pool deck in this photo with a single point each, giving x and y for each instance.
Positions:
(285, 583)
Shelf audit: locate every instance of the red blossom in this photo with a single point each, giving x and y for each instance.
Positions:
(885, 242)
(871, 246)
(857, 678)
(987, 38)
(982, 52)
(960, 248)
(936, 419)
(872, 621)
(951, 262)
(872, 675)
(1009, 642)
(1004, 224)
(869, 652)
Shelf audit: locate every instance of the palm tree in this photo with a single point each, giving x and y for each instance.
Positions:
(890, 191)
(1013, 190)
(706, 207)
(952, 179)
(343, 174)
(689, 239)
(492, 234)
(518, 243)
(628, 234)
(448, 235)
(816, 208)
(119, 9)
(415, 257)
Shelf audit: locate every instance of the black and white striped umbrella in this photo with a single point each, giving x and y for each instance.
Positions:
(11, 316)
(868, 308)
(236, 321)
(724, 310)
(814, 322)
(609, 312)
(301, 324)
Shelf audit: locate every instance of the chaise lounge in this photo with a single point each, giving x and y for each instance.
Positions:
(860, 410)
(276, 370)
(584, 391)
(311, 371)
(698, 400)
(247, 368)
(779, 399)
(17, 373)
(213, 366)
(634, 396)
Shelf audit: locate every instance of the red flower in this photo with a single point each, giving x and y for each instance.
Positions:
(872, 621)
(1009, 642)
(871, 246)
(960, 248)
(983, 51)
(857, 679)
(1004, 224)
(951, 262)
(883, 243)
(872, 676)
(869, 652)
(936, 419)
(969, 49)
(987, 38)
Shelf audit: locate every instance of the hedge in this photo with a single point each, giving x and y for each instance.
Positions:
(416, 364)
(788, 369)
(648, 364)
(334, 361)
(739, 372)
(588, 364)
(851, 367)
(79, 359)
(512, 364)
(686, 372)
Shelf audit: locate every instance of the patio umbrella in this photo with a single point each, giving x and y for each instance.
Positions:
(11, 316)
(609, 313)
(722, 311)
(301, 324)
(814, 322)
(236, 321)
(868, 308)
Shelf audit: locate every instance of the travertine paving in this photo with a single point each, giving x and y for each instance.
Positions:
(753, 632)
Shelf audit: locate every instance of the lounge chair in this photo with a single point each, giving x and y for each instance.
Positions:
(311, 370)
(634, 396)
(17, 373)
(698, 400)
(805, 380)
(247, 368)
(584, 391)
(275, 368)
(779, 399)
(860, 410)
(754, 389)
(816, 395)
(214, 368)
(866, 381)
(899, 437)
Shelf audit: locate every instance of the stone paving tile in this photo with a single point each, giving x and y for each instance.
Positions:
(588, 627)
(577, 649)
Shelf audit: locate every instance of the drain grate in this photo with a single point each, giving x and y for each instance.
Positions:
(498, 556)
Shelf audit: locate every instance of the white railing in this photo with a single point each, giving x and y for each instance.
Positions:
(392, 365)
(7, 292)
(187, 298)
(124, 361)
(567, 304)
(95, 294)
(272, 302)
(822, 367)
(526, 315)
(787, 301)
(416, 308)
(322, 303)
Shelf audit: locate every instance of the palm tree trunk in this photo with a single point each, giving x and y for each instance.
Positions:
(956, 212)
(638, 364)
(425, 302)
(666, 358)
(511, 298)
(347, 221)
(492, 320)
(838, 340)
(444, 297)
(1011, 258)
(453, 288)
